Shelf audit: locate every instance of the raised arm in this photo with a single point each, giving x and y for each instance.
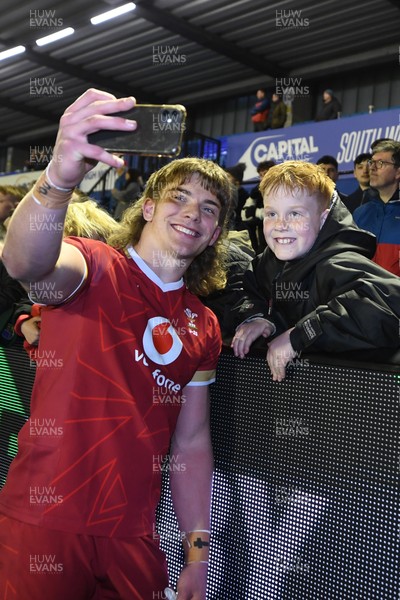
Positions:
(33, 251)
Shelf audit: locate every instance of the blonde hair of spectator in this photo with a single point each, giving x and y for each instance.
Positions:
(86, 219)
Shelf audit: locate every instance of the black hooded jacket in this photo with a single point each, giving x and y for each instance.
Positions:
(10, 290)
(335, 297)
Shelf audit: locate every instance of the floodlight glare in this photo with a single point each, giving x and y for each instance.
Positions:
(111, 14)
(53, 37)
(11, 52)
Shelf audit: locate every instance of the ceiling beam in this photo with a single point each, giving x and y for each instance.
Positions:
(32, 111)
(90, 78)
(148, 11)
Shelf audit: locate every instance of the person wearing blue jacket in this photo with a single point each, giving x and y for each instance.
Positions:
(381, 215)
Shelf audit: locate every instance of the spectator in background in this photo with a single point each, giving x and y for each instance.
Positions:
(381, 215)
(38, 159)
(239, 257)
(88, 220)
(130, 191)
(361, 173)
(330, 108)
(11, 292)
(379, 141)
(9, 198)
(260, 111)
(253, 210)
(239, 194)
(277, 115)
(330, 166)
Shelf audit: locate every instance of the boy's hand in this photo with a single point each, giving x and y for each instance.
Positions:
(31, 330)
(280, 352)
(247, 333)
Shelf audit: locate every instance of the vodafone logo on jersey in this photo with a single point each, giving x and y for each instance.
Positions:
(161, 343)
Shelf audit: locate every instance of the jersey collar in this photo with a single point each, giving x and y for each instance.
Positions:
(144, 267)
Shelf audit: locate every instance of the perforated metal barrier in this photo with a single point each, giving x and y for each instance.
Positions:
(306, 482)
(17, 374)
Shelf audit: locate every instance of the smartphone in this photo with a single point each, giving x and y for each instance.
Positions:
(159, 131)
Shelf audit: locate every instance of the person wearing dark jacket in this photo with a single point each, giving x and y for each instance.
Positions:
(239, 194)
(11, 292)
(130, 191)
(361, 173)
(277, 116)
(314, 287)
(221, 301)
(253, 210)
(330, 165)
(331, 107)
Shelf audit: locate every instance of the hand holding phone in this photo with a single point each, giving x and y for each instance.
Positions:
(159, 131)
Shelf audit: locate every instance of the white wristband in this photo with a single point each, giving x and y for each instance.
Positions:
(57, 187)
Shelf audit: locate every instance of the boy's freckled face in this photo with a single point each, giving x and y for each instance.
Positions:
(292, 221)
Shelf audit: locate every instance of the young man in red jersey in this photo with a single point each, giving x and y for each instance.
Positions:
(135, 351)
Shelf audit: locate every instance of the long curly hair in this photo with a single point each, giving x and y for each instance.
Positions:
(207, 272)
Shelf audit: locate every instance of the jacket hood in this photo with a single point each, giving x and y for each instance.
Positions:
(340, 234)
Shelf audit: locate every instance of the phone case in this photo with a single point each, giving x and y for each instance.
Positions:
(159, 131)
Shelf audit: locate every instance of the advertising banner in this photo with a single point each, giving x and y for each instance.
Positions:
(343, 138)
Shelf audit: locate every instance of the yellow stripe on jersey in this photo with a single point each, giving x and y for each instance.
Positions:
(203, 377)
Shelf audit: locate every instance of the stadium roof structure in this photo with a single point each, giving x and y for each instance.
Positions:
(178, 51)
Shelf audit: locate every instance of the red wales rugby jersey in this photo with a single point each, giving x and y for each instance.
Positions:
(112, 364)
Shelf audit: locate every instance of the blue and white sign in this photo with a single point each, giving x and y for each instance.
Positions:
(342, 138)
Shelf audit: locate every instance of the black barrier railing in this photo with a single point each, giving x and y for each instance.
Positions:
(306, 481)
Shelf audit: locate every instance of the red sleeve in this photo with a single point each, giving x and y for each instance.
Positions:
(206, 371)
